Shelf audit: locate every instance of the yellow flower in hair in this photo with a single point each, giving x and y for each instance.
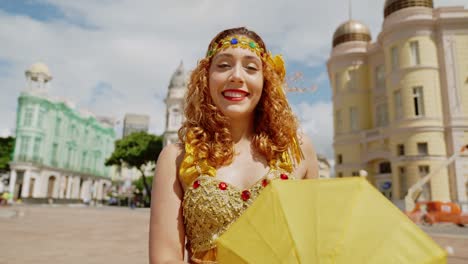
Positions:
(278, 64)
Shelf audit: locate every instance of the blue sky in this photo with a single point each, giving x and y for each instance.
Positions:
(38, 10)
(115, 57)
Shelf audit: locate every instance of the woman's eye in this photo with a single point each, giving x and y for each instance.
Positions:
(224, 65)
(252, 68)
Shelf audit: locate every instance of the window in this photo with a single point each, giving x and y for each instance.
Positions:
(354, 118)
(398, 105)
(37, 147)
(73, 131)
(83, 160)
(414, 47)
(58, 123)
(54, 154)
(403, 182)
(352, 80)
(28, 117)
(85, 139)
(422, 148)
(24, 146)
(423, 171)
(176, 118)
(394, 58)
(339, 159)
(340, 175)
(40, 118)
(385, 167)
(418, 101)
(355, 173)
(382, 115)
(337, 82)
(339, 121)
(380, 77)
(400, 150)
(69, 154)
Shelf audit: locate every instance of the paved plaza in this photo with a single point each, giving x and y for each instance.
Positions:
(69, 235)
(45, 234)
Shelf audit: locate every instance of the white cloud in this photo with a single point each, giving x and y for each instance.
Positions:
(134, 46)
(6, 132)
(317, 122)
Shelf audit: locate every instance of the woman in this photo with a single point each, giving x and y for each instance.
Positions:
(239, 134)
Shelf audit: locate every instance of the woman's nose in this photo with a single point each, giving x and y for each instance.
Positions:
(237, 75)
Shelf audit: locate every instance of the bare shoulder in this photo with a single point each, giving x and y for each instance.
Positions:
(169, 161)
(308, 168)
(167, 233)
(171, 151)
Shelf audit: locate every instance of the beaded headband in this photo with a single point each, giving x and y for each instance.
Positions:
(239, 41)
(234, 42)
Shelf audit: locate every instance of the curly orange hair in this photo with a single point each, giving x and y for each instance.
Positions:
(210, 137)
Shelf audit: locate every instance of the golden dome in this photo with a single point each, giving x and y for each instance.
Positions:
(351, 30)
(392, 6)
(39, 68)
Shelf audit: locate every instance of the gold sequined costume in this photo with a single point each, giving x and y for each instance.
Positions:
(211, 205)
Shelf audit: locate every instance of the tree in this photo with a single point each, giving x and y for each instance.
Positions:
(7, 146)
(137, 150)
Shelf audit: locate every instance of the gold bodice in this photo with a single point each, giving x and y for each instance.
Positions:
(210, 206)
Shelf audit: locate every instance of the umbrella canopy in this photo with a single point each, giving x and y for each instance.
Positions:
(325, 221)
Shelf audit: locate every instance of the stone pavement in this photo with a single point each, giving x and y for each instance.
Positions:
(45, 234)
(69, 235)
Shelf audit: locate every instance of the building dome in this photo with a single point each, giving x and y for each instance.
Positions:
(178, 79)
(351, 30)
(391, 6)
(39, 69)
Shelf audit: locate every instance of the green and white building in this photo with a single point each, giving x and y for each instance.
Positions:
(59, 150)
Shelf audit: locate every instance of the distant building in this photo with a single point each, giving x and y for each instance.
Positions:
(175, 105)
(324, 167)
(400, 103)
(59, 151)
(135, 123)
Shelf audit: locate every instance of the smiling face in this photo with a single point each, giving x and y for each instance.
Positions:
(236, 82)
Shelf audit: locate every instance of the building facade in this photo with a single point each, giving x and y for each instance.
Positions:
(59, 151)
(135, 123)
(401, 103)
(175, 105)
(324, 167)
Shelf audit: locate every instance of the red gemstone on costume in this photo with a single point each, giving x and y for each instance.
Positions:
(264, 182)
(196, 184)
(222, 186)
(245, 195)
(284, 176)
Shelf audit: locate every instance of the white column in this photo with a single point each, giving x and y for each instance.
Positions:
(37, 184)
(86, 190)
(69, 187)
(57, 186)
(75, 191)
(26, 180)
(43, 184)
(100, 190)
(61, 186)
(11, 187)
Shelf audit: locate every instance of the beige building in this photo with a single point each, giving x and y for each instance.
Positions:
(175, 105)
(401, 103)
(324, 167)
(135, 123)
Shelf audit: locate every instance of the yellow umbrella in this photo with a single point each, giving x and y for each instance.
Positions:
(325, 221)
